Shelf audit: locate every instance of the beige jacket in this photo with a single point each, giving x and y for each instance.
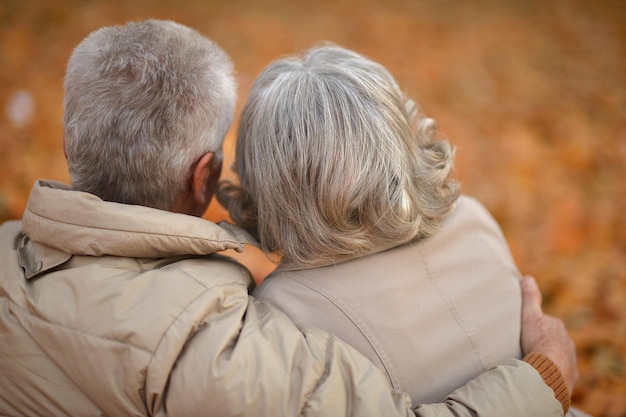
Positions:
(116, 310)
(432, 315)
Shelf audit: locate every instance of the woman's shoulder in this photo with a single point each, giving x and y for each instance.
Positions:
(469, 209)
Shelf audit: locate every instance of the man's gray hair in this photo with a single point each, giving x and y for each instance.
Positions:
(143, 102)
(335, 162)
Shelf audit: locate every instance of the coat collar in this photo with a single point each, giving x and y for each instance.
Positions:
(79, 223)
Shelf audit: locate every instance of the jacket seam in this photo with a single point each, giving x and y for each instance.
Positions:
(456, 313)
(360, 325)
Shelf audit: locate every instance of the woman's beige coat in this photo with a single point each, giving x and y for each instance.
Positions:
(432, 315)
(115, 310)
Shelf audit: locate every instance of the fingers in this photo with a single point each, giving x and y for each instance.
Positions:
(531, 298)
(546, 334)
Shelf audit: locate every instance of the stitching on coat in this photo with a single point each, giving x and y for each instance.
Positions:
(456, 313)
(360, 325)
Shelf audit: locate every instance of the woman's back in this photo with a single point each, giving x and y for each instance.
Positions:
(439, 311)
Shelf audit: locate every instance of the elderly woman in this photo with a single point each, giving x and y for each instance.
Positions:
(343, 178)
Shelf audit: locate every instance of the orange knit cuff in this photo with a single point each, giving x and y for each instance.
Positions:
(552, 377)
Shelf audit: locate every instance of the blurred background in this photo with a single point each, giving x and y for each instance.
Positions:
(532, 93)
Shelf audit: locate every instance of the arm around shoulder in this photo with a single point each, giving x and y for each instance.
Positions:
(253, 361)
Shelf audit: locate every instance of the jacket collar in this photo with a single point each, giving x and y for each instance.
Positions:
(79, 223)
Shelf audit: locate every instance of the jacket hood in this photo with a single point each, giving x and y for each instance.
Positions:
(83, 224)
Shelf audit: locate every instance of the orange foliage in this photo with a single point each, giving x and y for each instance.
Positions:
(532, 94)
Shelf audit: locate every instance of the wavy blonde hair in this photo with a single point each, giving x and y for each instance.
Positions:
(335, 162)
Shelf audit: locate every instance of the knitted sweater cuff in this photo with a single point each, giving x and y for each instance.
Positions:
(552, 377)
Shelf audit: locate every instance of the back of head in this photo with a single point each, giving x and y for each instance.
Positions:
(143, 102)
(335, 162)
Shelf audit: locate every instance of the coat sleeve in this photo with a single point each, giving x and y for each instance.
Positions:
(514, 388)
(250, 360)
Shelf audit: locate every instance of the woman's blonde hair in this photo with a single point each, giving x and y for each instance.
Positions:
(335, 162)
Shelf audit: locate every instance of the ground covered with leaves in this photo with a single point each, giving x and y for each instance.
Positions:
(532, 93)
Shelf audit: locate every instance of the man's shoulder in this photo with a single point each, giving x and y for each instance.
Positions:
(10, 228)
(10, 235)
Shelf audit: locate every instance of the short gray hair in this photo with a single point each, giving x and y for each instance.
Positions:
(143, 102)
(335, 162)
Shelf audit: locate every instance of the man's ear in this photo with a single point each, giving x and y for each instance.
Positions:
(205, 175)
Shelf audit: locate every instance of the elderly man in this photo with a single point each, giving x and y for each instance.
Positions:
(115, 300)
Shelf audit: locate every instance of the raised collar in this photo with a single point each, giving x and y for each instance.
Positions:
(80, 223)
